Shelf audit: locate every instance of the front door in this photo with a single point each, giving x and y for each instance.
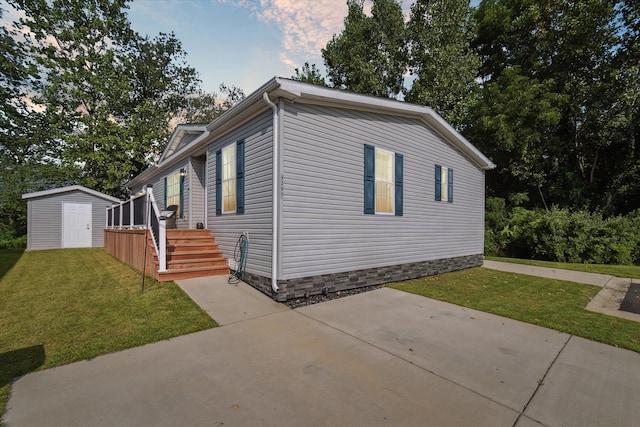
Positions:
(198, 191)
(76, 225)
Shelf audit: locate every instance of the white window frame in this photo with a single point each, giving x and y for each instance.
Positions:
(231, 148)
(173, 192)
(392, 182)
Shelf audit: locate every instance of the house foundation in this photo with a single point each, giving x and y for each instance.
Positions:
(334, 282)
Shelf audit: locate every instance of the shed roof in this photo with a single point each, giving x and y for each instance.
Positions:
(69, 189)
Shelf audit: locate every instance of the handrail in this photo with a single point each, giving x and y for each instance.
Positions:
(158, 226)
(142, 213)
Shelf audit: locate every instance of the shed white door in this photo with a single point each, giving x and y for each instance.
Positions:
(76, 225)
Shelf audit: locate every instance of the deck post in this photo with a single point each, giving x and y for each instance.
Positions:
(131, 211)
(162, 230)
(162, 245)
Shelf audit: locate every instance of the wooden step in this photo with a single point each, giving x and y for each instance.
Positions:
(191, 253)
(188, 232)
(202, 240)
(188, 273)
(207, 253)
(190, 247)
(198, 262)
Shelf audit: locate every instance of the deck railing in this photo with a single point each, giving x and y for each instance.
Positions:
(141, 212)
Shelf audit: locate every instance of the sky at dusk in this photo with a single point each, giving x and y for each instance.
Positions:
(246, 42)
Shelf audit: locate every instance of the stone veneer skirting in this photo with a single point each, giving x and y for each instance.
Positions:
(334, 282)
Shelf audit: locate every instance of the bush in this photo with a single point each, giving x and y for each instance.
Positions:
(13, 242)
(561, 235)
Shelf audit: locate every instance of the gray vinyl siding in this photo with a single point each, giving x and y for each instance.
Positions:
(196, 180)
(257, 219)
(44, 224)
(324, 228)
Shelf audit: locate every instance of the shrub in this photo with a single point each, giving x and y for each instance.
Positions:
(13, 242)
(561, 235)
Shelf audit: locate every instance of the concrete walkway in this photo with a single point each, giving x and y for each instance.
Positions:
(381, 358)
(550, 273)
(607, 301)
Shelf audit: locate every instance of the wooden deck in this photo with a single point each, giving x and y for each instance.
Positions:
(190, 253)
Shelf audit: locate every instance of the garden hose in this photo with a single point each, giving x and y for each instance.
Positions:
(240, 257)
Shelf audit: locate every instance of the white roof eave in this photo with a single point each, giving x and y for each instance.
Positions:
(371, 103)
(295, 91)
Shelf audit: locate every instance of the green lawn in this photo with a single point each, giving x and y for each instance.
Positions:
(61, 306)
(550, 303)
(626, 271)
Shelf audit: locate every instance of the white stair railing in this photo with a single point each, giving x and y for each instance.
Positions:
(139, 212)
(157, 224)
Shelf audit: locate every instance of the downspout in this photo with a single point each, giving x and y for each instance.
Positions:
(275, 216)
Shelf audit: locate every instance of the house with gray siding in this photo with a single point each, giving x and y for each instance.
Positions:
(66, 217)
(334, 189)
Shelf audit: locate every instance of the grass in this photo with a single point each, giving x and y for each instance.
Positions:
(61, 306)
(550, 303)
(626, 271)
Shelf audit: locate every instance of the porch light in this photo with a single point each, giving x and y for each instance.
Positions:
(183, 172)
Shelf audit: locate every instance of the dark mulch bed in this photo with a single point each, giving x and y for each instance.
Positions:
(314, 299)
(631, 301)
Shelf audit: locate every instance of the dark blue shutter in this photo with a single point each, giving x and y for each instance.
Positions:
(219, 182)
(165, 192)
(369, 179)
(181, 203)
(240, 177)
(438, 183)
(450, 185)
(398, 185)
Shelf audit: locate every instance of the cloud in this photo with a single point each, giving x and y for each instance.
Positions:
(306, 26)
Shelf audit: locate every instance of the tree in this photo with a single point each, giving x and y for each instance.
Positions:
(108, 93)
(439, 36)
(370, 54)
(515, 122)
(24, 165)
(309, 74)
(205, 107)
(568, 59)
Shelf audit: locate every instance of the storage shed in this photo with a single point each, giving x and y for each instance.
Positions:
(66, 217)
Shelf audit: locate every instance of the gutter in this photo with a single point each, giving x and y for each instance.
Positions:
(276, 213)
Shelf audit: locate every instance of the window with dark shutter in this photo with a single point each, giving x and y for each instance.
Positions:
(240, 177)
(398, 195)
(438, 179)
(450, 185)
(181, 197)
(369, 179)
(219, 182)
(444, 184)
(383, 181)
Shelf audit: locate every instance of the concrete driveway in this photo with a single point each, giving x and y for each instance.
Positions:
(379, 358)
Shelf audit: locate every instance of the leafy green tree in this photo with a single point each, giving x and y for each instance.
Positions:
(439, 35)
(109, 94)
(309, 74)
(568, 59)
(514, 122)
(15, 150)
(370, 54)
(24, 162)
(205, 107)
